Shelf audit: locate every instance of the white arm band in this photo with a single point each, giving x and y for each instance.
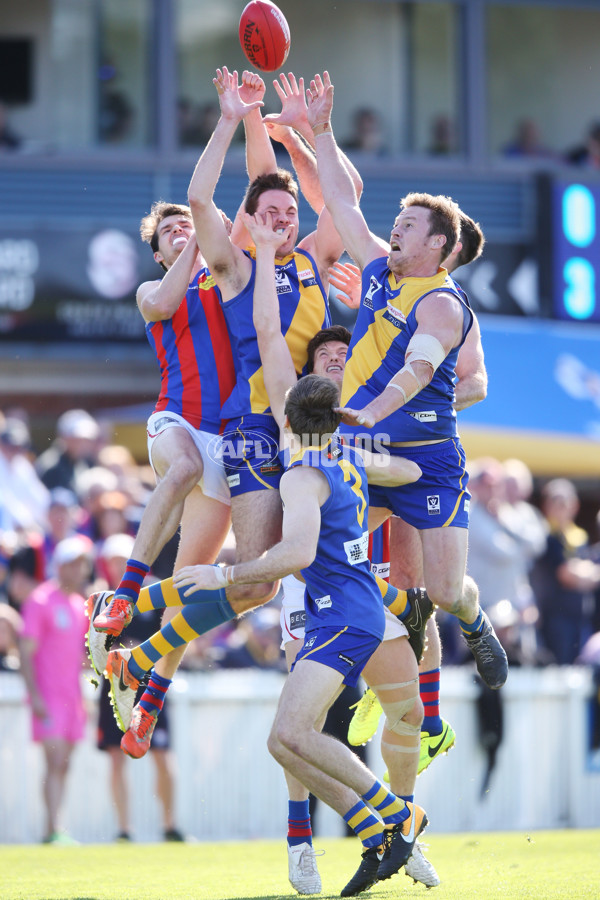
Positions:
(427, 348)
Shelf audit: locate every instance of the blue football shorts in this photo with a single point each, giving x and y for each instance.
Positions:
(250, 447)
(347, 650)
(439, 498)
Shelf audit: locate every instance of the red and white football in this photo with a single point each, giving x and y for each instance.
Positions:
(264, 35)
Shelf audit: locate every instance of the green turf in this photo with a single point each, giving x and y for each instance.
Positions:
(545, 865)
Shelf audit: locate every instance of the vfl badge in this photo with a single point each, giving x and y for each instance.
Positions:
(433, 505)
(282, 282)
(373, 286)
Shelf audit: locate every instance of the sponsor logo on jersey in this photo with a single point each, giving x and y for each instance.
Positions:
(324, 602)
(396, 313)
(307, 278)
(467, 504)
(233, 480)
(357, 551)
(346, 659)
(208, 284)
(282, 282)
(426, 415)
(297, 619)
(433, 505)
(381, 569)
(395, 321)
(308, 644)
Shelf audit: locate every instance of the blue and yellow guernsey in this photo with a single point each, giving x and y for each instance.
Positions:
(385, 324)
(340, 587)
(303, 309)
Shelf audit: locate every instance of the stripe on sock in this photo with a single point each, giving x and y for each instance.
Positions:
(367, 828)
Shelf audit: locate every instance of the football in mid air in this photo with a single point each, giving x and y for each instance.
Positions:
(264, 35)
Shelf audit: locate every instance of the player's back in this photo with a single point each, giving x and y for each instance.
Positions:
(340, 588)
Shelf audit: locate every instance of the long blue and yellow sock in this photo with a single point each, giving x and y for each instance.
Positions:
(391, 809)
(154, 695)
(204, 610)
(429, 690)
(395, 599)
(473, 627)
(299, 826)
(367, 827)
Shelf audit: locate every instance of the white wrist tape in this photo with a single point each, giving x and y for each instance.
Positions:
(427, 348)
(406, 381)
(224, 575)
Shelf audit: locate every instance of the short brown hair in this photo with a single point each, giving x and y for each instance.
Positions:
(160, 210)
(333, 333)
(281, 180)
(309, 406)
(444, 217)
(472, 239)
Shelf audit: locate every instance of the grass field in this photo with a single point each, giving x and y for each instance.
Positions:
(546, 865)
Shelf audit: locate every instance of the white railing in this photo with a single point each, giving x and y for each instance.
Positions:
(229, 788)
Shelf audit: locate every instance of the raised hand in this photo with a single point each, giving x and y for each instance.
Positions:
(232, 105)
(320, 100)
(260, 228)
(252, 87)
(346, 278)
(293, 103)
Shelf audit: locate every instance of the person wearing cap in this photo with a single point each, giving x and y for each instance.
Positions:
(74, 450)
(52, 645)
(113, 554)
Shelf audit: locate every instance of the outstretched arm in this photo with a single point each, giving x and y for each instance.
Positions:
(260, 156)
(225, 261)
(337, 186)
(440, 321)
(159, 300)
(278, 368)
(303, 491)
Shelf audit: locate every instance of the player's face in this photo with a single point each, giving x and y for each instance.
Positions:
(284, 212)
(173, 235)
(330, 359)
(411, 245)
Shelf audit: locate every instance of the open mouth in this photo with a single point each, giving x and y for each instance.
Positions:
(180, 240)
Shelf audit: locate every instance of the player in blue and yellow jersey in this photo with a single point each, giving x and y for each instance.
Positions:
(400, 376)
(325, 537)
(250, 446)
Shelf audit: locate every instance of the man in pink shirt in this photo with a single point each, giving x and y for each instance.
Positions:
(52, 656)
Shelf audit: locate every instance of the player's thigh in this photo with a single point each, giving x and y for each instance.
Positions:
(256, 518)
(444, 563)
(175, 446)
(392, 663)
(406, 555)
(307, 694)
(204, 527)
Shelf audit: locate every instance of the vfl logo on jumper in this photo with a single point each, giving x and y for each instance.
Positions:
(433, 505)
(297, 619)
(323, 602)
(346, 659)
(307, 277)
(426, 415)
(373, 286)
(282, 282)
(357, 551)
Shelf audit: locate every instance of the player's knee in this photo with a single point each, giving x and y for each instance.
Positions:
(245, 597)
(403, 715)
(185, 473)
